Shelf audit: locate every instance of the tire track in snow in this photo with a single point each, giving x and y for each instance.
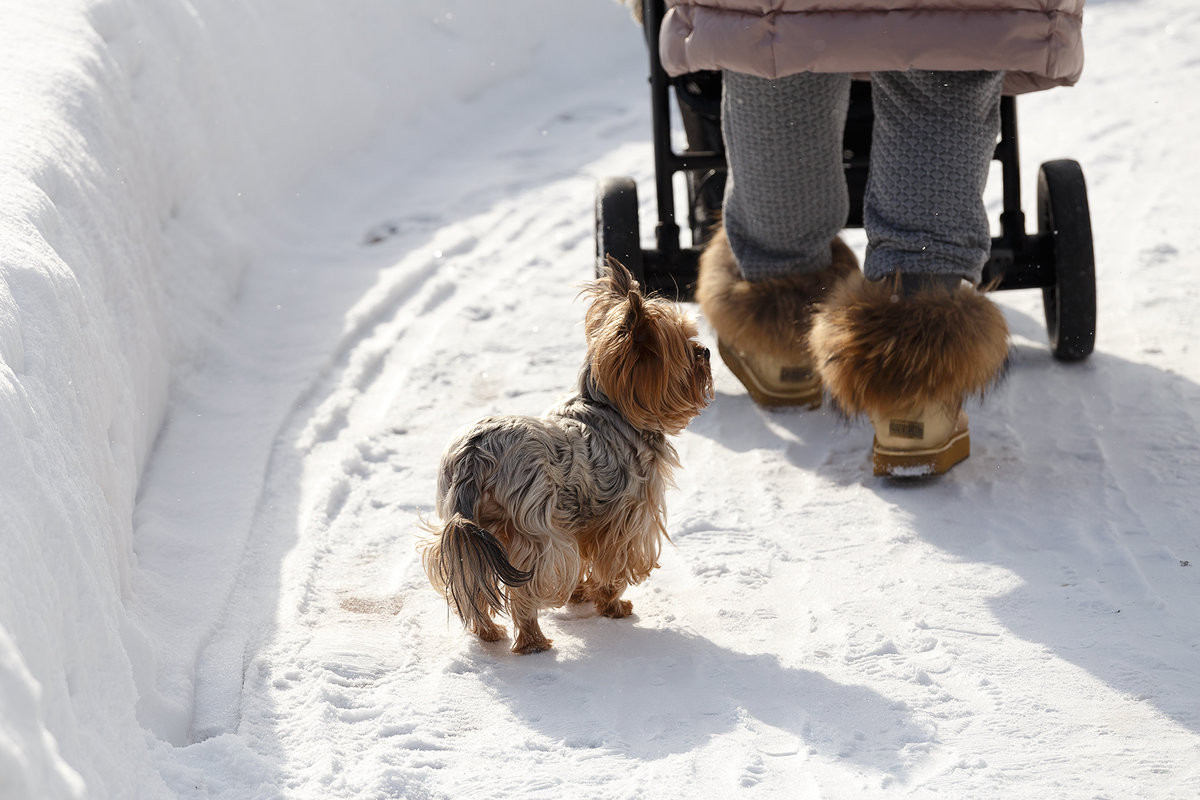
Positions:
(408, 323)
(395, 382)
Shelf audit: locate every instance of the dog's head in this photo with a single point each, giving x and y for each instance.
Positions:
(644, 354)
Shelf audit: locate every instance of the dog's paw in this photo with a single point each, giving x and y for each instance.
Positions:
(493, 633)
(616, 609)
(528, 645)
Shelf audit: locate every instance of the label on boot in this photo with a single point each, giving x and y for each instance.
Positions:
(906, 429)
(795, 375)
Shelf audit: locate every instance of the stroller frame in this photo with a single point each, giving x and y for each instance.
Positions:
(1058, 258)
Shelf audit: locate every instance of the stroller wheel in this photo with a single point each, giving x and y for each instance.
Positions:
(617, 230)
(1071, 303)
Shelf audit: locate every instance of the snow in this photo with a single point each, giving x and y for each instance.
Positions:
(260, 260)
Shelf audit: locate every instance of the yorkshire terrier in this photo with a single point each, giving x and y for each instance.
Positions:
(569, 506)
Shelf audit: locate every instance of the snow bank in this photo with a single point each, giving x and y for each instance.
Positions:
(143, 145)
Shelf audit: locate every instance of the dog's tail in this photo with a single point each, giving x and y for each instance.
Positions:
(468, 565)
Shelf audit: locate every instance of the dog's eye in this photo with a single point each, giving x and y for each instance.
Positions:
(704, 353)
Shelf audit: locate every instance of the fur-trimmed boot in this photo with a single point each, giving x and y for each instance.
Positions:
(763, 326)
(908, 359)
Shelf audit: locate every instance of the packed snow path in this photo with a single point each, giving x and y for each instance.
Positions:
(1023, 627)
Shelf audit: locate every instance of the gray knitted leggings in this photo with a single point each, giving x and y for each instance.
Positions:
(932, 146)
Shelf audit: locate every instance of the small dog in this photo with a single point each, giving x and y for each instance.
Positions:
(569, 506)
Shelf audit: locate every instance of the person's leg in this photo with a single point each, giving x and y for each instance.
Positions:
(785, 197)
(931, 150)
(776, 254)
(909, 343)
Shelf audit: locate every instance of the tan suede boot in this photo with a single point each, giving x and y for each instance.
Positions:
(762, 326)
(908, 360)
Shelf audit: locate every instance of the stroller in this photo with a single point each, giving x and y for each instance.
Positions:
(1058, 258)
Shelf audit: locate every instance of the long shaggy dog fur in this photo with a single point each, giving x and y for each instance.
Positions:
(771, 317)
(883, 352)
(539, 511)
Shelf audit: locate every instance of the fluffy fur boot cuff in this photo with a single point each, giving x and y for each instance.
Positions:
(883, 352)
(767, 318)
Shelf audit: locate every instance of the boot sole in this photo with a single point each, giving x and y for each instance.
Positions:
(922, 463)
(808, 393)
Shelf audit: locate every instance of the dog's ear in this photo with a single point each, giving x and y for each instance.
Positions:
(620, 279)
(614, 292)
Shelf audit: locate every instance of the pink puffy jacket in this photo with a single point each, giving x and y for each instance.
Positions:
(1037, 42)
